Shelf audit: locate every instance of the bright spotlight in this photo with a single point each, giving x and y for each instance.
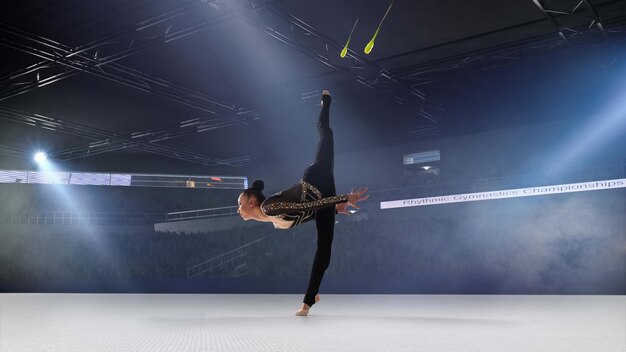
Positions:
(426, 167)
(40, 157)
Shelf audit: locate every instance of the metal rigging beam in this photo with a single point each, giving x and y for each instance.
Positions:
(304, 38)
(482, 59)
(203, 124)
(183, 128)
(101, 135)
(501, 55)
(577, 13)
(98, 58)
(539, 46)
(69, 61)
(14, 152)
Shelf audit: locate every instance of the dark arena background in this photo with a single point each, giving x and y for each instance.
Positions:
(491, 136)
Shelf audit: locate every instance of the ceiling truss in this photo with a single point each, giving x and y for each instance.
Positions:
(98, 58)
(578, 26)
(111, 138)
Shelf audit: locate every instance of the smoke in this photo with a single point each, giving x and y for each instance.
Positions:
(572, 243)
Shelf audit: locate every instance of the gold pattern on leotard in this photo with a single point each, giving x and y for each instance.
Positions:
(301, 206)
(300, 211)
(309, 187)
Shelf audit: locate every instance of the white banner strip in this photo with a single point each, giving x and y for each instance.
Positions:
(508, 193)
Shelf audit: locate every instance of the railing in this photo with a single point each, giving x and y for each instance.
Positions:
(113, 218)
(77, 218)
(134, 180)
(224, 259)
(201, 213)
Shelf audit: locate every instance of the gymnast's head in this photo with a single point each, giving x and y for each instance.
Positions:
(250, 201)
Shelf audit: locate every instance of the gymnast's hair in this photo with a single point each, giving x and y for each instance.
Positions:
(256, 191)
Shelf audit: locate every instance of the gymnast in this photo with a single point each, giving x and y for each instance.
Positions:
(313, 198)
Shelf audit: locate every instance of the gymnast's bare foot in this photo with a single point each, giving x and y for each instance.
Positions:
(325, 92)
(304, 311)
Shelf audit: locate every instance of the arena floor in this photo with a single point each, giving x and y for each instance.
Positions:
(165, 322)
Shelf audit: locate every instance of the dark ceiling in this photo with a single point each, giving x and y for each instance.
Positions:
(221, 83)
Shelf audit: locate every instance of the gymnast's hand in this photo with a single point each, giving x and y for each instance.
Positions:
(353, 198)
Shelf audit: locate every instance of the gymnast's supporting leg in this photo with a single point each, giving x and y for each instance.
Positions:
(325, 224)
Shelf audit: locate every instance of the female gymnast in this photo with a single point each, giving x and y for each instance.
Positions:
(313, 198)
